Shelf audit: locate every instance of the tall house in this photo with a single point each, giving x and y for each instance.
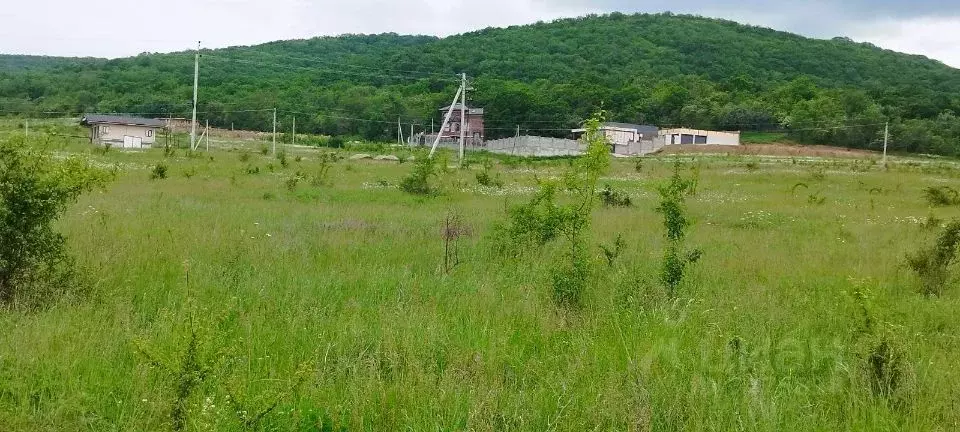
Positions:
(474, 123)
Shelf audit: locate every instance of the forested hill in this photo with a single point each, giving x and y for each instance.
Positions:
(13, 62)
(663, 69)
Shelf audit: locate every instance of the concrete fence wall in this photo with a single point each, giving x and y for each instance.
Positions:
(536, 146)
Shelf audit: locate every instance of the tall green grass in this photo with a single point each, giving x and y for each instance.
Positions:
(328, 307)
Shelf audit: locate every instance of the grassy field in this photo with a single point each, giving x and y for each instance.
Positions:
(763, 137)
(326, 307)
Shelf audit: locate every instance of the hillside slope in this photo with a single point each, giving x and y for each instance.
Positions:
(546, 77)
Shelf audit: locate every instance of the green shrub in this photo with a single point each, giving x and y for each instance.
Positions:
(104, 149)
(612, 198)
(542, 220)
(293, 181)
(675, 258)
(932, 264)
(484, 177)
(941, 196)
(322, 176)
(884, 364)
(245, 156)
(612, 253)
(35, 189)
(159, 171)
(418, 181)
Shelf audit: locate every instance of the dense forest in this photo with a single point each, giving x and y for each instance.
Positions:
(547, 77)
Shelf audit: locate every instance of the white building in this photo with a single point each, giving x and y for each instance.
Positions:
(626, 138)
(638, 140)
(696, 136)
(122, 131)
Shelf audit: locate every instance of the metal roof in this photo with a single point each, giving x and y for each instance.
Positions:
(120, 120)
(643, 129)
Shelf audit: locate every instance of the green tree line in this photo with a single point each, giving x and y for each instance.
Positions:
(546, 78)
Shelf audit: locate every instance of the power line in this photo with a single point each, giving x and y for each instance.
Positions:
(320, 114)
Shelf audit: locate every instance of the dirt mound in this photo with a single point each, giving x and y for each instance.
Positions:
(771, 150)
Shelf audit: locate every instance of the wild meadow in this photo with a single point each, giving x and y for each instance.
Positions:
(235, 290)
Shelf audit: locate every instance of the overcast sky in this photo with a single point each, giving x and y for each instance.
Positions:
(117, 28)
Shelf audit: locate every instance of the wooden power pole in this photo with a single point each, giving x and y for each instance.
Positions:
(463, 114)
(196, 84)
(886, 138)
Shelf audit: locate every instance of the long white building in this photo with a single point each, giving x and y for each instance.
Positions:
(637, 140)
(698, 136)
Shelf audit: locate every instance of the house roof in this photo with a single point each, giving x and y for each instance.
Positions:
(643, 129)
(458, 106)
(89, 119)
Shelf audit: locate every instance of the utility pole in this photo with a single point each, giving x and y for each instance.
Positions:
(293, 140)
(206, 133)
(274, 131)
(886, 137)
(399, 131)
(463, 114)
(446, 120)
(410, 140)
(196, 84)
(431, 126)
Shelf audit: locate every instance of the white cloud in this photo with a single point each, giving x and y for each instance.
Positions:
(937, 38)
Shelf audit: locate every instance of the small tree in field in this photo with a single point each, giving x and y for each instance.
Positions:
(34, 191)
(543, 219)
(675, 221)
(418, 181)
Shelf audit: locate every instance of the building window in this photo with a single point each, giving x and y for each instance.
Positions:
(104, 130)
(149, 133)
(700, 139)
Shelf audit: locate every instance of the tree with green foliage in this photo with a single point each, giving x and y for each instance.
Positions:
(543, 219)
(424, 169)
(35, 190)
(676, 258)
